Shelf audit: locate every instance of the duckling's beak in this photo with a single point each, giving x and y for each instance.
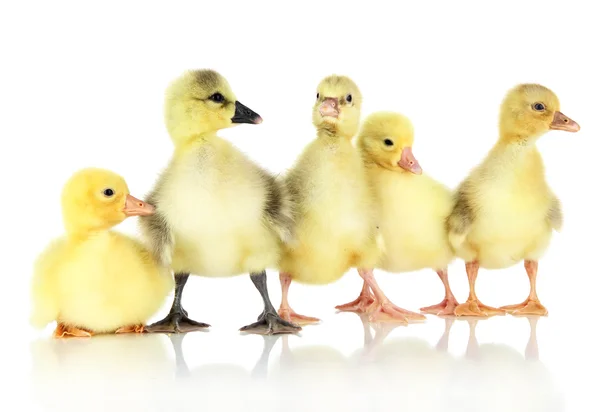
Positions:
(408, 161)
(562, 122)
(135, 207)
(244, 115)
(329, 107)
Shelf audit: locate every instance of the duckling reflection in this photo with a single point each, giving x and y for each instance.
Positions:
(400, 367)
(496, 377)
(100, 374)
(259, 371)
(214, 383)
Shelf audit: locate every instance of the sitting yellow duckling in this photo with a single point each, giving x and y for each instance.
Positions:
(94, 280)
(504, 211)
(412, 208)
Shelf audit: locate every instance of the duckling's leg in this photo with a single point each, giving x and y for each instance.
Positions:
(532, 305)
(445, 307)
(382, 309)
(285, 311)
(269, 322)
(177, 320)
(68, 331)
(473, 307)
(360, 304)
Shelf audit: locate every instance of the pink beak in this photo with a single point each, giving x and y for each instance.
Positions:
(329, 107)
(135, 207)
(408, 162)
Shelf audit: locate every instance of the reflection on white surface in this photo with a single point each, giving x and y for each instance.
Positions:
(151, 373)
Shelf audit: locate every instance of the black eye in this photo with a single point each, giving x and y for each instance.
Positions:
(539, 107)
(349, 98)
(217, 98)
(318, 95)
(388, 142)
(108, 192)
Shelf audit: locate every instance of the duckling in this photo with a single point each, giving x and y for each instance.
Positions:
(217, 213)
(95, 280)
(412, 208)
(333, 208)
(504, 211)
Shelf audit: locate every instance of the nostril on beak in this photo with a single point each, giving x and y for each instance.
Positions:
(140, 204)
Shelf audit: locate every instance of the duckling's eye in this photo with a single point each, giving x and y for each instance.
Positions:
(108, 192)
(539, 107)
(318, 95)
(349, 98)
(388, 142)
(217, 98)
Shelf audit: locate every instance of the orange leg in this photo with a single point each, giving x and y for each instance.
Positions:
(360, 304)
(285, 311)
(131, 329)
(532, 305)
(382, 310)
(68, 331)
(445, 307)
(473, 307)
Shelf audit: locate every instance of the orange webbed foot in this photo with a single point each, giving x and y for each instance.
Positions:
(386, 313)
(529, 307)
(289, 315)
(444, 308)
(359, 305)
(68, 331)
(474, 308)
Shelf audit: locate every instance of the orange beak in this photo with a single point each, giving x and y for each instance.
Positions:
(562, 122)
(135, 207)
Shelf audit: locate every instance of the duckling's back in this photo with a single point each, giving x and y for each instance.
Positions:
(333, 212)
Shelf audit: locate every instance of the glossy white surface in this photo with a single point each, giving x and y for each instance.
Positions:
(499, 364)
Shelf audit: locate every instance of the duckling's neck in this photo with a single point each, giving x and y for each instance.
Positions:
(520, 137)
(331, 134)
(183, 145)
(79, 234)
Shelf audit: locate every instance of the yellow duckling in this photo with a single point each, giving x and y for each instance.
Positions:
(504, 211)
(95, 280)
(334, 214)
(412, 208)
(218, 213)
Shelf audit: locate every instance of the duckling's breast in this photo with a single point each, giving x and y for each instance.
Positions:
(213, 200)
(412, 217)
(336, 224)
(511, 223)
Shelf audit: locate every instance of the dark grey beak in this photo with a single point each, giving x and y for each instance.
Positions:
(244, 115)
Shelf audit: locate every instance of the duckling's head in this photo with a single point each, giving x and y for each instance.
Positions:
(97, 199)
(386, 138)
(201, 102)
(530, 110)
(337, 106)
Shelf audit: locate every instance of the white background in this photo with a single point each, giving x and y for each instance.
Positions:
(82, 84)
